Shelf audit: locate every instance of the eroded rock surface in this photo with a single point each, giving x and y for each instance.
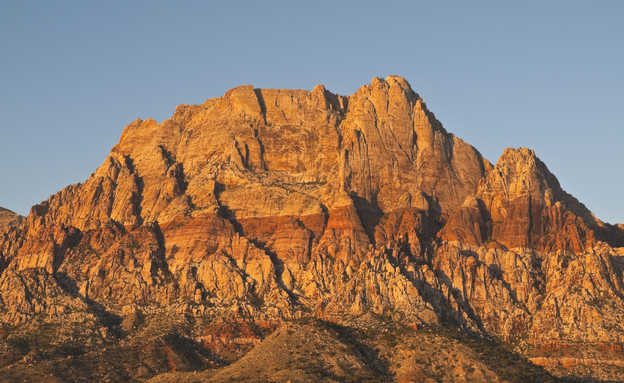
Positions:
(279, 204)
(9, 219)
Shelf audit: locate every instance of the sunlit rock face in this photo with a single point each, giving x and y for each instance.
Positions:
(275, 204)
(9, 219)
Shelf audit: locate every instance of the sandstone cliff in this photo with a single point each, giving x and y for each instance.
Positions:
(280, 204)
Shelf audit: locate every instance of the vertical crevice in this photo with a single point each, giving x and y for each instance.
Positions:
(260, 98)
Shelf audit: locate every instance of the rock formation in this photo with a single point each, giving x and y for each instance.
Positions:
(9, 219)
(273, 205)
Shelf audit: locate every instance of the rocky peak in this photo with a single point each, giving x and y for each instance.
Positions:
(518, 174)
(389, 84)
(9, 218)
(528, 207)
(521, 205)
(380, 145)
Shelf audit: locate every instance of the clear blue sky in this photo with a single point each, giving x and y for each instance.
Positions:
(548, 75)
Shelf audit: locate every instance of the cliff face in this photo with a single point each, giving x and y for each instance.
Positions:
(276, 204)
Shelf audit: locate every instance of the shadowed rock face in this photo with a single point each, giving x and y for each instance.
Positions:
(275, 204)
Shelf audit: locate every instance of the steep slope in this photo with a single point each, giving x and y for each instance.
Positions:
(270, 205)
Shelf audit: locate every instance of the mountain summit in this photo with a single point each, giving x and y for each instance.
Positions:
(269, 208)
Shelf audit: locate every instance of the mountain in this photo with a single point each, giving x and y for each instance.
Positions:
(285, 217)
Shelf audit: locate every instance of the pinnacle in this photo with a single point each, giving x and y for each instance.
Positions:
(523, 152)
(391, 80)
(402, 82)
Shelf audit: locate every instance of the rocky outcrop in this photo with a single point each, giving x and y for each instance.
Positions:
(11, 237)
(9, 219)
(273, 204)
